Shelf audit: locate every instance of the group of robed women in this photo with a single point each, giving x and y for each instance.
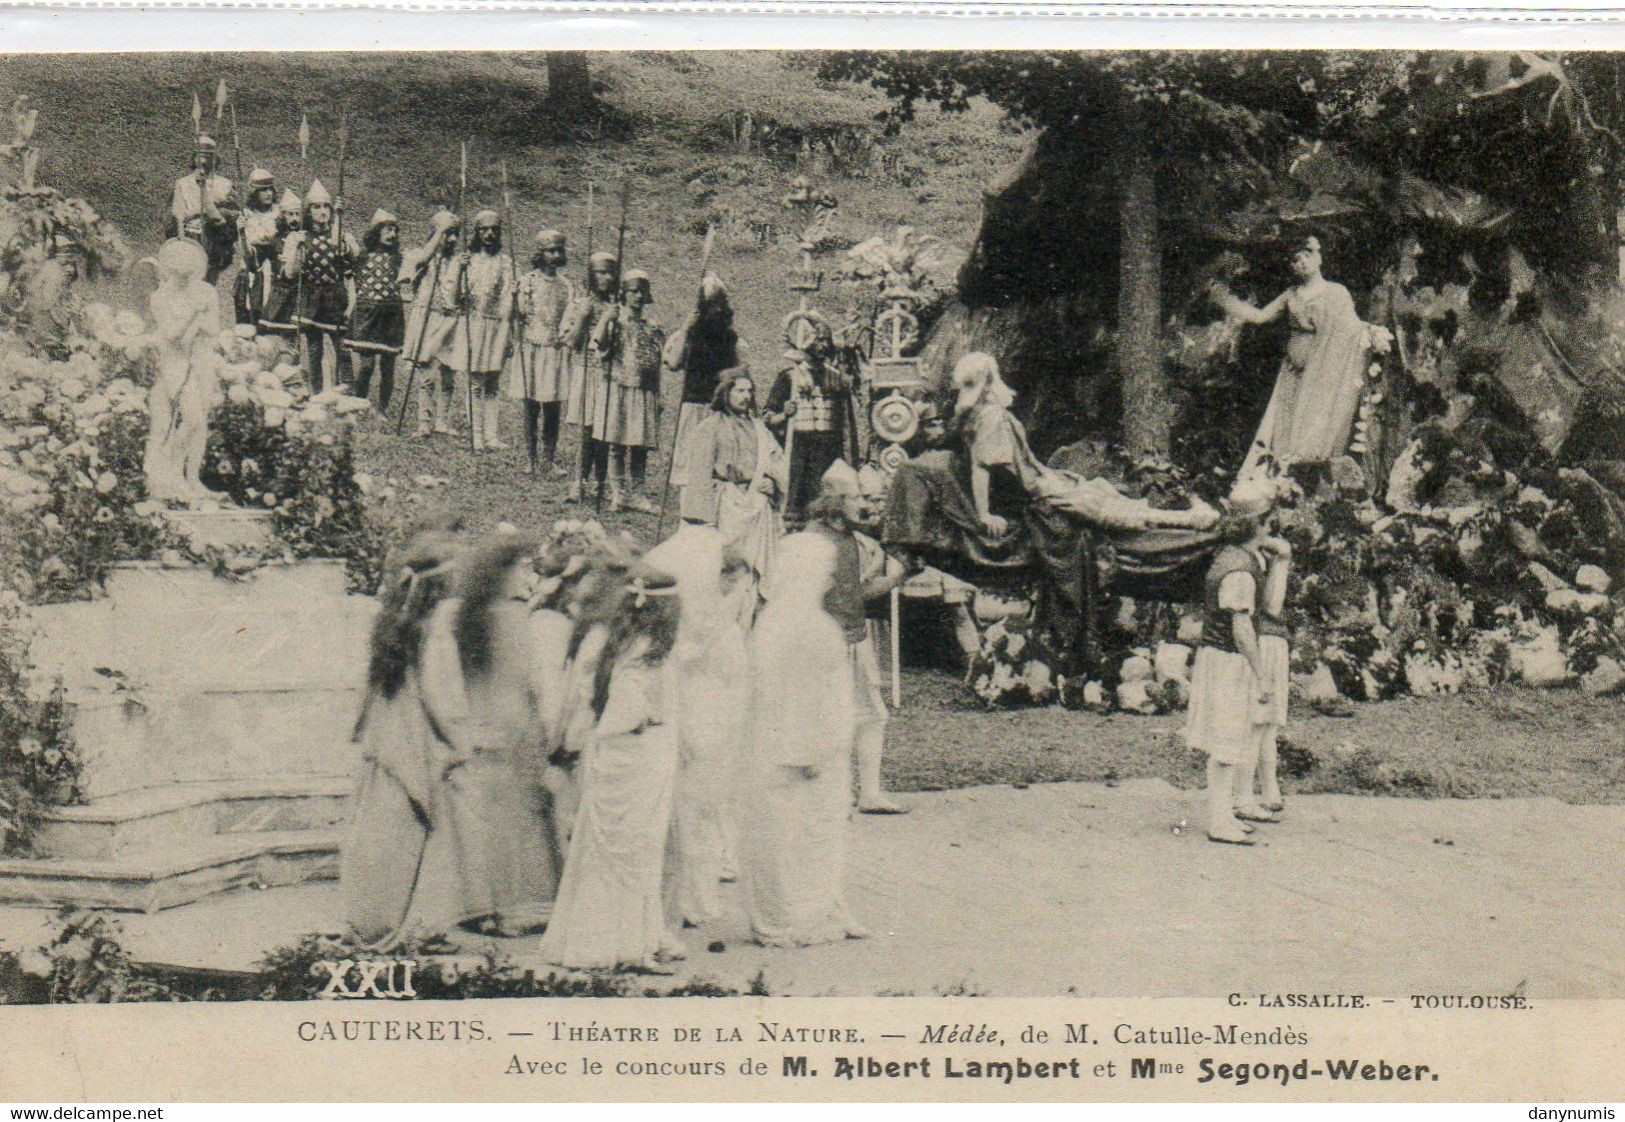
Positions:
(574, 739)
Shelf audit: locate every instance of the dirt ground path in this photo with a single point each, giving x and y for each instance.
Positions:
(1075, 888)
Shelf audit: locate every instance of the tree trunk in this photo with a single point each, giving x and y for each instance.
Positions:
(1139, 298)
(569, 83)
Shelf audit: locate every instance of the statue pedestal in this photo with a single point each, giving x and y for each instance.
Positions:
(213, 717)
(227, 527)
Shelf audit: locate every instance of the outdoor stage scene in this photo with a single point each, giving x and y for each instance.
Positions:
(1025, 524)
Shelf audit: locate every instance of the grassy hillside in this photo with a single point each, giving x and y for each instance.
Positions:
(117, 129)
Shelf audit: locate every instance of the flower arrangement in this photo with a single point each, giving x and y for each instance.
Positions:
(1014, 666)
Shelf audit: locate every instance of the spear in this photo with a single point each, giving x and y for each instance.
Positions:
(197, 116)
(464, 295)
(299, 280)
(515, 311)
(219, 102)
(237, 148)
(620, 236)
(338, 210)
(620, 290)
(425, 299)
(591, 190)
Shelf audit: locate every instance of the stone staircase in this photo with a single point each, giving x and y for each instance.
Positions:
(213, 717)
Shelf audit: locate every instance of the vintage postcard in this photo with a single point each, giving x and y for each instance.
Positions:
(1059, 572)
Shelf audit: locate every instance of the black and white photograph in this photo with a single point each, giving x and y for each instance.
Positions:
(841, 523)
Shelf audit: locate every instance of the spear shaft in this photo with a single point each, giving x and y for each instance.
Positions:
(338, 210)
(620, 236)
(516, 311)
(244, 185)
(591, 190)
(465, 294)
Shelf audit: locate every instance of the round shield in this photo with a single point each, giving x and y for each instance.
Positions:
(892, 457)
(894, 419)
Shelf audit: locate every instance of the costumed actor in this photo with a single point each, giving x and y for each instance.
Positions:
(201, 206)
(736, 473)
(591, 382)
(543, 367)
(815, 692)
(489, 291)
(378, 327)
(321, 270)
(434, 271)
(627, 421)
(705, 350)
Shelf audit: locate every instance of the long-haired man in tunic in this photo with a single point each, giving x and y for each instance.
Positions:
(489, 291)
(542, 369)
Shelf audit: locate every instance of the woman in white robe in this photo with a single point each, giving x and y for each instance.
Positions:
(1317, 394)
(453, 825)
(499, 845)
(711, 683)
(804, 713)
(398, 799)
(610, 912)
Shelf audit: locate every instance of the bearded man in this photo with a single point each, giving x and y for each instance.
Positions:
(434, 272)
(482, 343)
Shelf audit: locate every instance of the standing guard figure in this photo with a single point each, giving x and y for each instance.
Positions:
(203, 199)
(543, 368)
(808, 409)
(320, 268)
(487, 309)
(378, 328)
(589, 386)
(628, 419)
(276, 311)
(435, 272)
(259, 235)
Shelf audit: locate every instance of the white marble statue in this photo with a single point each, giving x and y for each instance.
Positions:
(186, 325)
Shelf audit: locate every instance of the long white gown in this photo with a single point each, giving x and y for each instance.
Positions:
(609, 911)
(712, 690)
(452, 823)
(803, 715)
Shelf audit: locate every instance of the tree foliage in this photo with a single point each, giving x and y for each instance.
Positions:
(1493, 161)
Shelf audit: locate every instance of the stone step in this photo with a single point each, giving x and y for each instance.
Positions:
(177, 874)
(214, 737)
(133, 822)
